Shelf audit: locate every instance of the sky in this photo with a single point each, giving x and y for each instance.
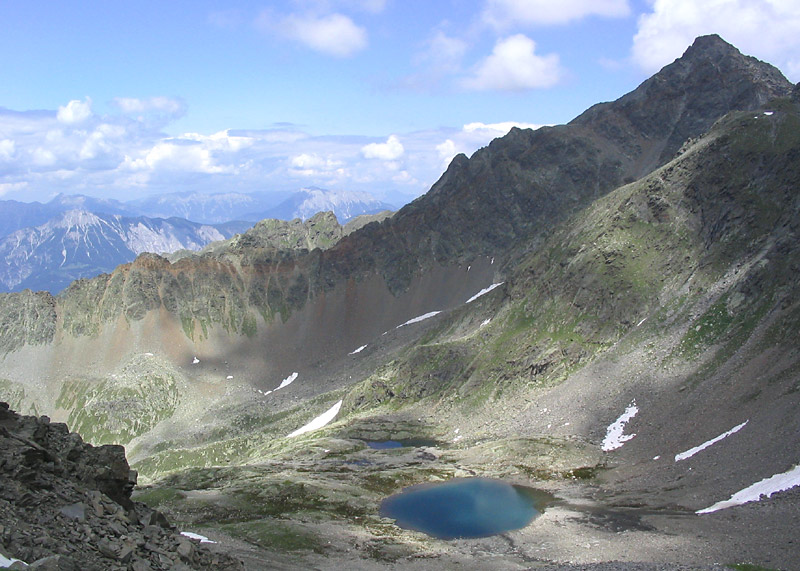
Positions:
(125, 99)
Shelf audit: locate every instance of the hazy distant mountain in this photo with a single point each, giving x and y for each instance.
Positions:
(346, 205)
(79, 244)
(15, 215)
(198, 207)
(207, 208)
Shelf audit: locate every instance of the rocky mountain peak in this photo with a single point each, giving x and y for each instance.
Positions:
(684, 99)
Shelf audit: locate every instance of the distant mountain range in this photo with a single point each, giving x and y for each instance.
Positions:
(78, 244)
(46, 246)
(199, 207)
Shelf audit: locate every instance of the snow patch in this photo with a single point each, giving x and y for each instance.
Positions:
(614, 433)
(692, 451)
(418, 319)
(768, 113)
(484, 291)
(323, 419)
(195, 361)
(202, 538)
(754, 493)
(287, 381)
(357, 350)
(486, 322)
(5, 563)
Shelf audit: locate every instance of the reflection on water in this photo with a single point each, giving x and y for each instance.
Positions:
(463, 508)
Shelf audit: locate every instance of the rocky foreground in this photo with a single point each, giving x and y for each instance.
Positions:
(65, 505)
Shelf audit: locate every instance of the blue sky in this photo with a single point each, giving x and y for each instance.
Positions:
(122, 99)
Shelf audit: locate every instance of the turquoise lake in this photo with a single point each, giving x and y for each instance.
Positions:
(465, 508)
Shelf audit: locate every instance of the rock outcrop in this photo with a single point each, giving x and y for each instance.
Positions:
(66, 505)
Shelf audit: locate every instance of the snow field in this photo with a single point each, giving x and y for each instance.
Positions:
(323, 419)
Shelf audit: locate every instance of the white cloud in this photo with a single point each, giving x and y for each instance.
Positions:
(121, 155)
(160, 104)
(444, 52)
(312, 165)
(6, 187)
(499, 129)
(515, 66)
(502, 14)
(75, 111)
(447, 150)
(332, 34)
(390, 150)
(221, 141)
(767, 29)
(7, 149)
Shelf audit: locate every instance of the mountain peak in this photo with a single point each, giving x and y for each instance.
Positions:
(684, 99)
(709, 43)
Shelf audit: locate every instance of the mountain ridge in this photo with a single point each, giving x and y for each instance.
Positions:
(533, 303)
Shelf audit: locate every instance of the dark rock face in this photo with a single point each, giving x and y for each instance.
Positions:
(65, 504)
(683, 100)
(524, 183)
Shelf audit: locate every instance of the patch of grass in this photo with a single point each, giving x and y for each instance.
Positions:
(707, 329)
(275, 535)
(749, 567)
(582, 473)
(155, 497)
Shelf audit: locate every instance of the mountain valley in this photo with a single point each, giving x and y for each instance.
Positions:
(606, 310)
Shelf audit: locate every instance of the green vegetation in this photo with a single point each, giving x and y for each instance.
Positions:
(115, 410)
(275, 535)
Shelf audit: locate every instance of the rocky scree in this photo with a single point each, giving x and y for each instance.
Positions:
(66, 505)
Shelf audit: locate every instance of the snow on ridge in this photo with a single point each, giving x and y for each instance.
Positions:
(323, 419)
(765, 487)
(287, 381)
(614, 433)
(418, 319)
(357, 350)
(692, 451)
(484, 291)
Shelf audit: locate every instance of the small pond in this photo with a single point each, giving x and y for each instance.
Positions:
(465, 507)
(407, 442)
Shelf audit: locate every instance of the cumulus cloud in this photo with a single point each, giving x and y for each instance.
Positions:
(390, 150)
(332, 34)
(178, 155)
(75, 111)
(120, 155)
(447, 150)
(315, 165)
(768, 29)
(502, 14)
(514, 66)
